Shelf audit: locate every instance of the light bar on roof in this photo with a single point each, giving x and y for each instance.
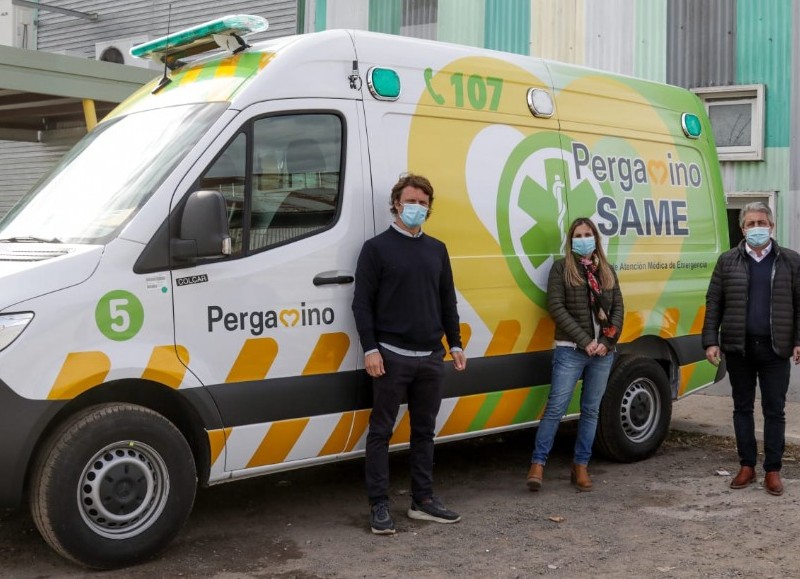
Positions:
(200, 38)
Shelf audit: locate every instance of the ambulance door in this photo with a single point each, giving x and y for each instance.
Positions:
(269, 330)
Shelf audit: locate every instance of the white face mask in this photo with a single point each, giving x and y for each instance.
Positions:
(413, 215)
(757, 236)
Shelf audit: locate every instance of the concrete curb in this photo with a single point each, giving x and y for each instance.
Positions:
(713, 414)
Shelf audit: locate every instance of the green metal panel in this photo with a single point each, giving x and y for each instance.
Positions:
(508, 25)
(770, 175)
(461, 21)
(320, 15)
(651, 40)
(385, 16)
(764, 55)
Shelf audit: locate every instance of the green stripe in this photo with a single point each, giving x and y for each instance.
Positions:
(764, 56)
(480, 420)
(461, 21)
(385, 16)
(321, 15)
(508, 25)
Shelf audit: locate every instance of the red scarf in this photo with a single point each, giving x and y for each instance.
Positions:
(595, 291)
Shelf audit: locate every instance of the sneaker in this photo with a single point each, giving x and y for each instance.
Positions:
(432, 509)
(380, 520)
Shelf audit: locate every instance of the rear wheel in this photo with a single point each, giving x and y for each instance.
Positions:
(113, 486)
(636, 410)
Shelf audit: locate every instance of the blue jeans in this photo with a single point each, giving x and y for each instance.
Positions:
(568, 365)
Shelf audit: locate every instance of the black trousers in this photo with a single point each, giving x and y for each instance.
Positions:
(419, 380)
(761, 364)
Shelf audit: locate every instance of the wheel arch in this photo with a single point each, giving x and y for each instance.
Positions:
(659, 350)
(191, 411)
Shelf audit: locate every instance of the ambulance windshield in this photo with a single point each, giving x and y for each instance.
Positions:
(103, 181)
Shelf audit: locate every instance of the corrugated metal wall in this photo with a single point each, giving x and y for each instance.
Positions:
(23, 164)
(135, 17)
(701, 42)
(792, 212)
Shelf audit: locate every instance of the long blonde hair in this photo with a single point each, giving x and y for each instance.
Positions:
(572, 275)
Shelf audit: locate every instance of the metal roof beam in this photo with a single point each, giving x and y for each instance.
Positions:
(24, 135)
(91, 16)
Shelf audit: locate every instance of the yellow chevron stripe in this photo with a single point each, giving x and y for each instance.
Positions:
(360, 423)
(278, 442)
(507, 408)
(542, 338)
(504, 338)
(632, 327)
(189, 76)
(669, 326)
(80, 372)
(328, 354)
(338, 438)
(166, 367)
(465, 411)
(697, 324)
(226, 67)
(254, 360)
(216, 442)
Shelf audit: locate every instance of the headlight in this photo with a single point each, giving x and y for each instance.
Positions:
(11, 326)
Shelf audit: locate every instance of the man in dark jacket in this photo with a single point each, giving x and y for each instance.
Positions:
(404, 302)
(753, 317)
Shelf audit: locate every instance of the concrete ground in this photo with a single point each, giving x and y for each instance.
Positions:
(711, 411)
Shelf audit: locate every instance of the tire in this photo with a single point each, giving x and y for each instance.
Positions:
(635, 412)
(113, 486)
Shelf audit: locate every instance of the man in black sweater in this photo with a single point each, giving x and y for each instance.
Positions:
(753, 317)
(404, 302)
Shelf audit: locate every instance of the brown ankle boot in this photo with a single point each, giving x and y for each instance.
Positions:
(580, 477)
(535, 476)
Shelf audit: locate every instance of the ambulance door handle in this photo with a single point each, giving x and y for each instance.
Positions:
(336, 279)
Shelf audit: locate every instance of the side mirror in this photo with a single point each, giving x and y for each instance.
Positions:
(203, 230)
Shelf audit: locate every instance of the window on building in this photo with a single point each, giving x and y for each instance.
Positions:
(737, 120)
(293, 188)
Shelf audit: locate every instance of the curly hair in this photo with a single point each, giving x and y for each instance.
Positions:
(411, 180)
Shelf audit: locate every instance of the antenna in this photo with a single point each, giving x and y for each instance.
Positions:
(165, 80)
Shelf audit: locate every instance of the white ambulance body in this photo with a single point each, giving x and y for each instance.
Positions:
(175, 297)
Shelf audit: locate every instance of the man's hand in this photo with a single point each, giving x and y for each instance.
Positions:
(601, 350)
(373, 363)
(459, 360)
(712, 354)
(591, 349)
(796, 355)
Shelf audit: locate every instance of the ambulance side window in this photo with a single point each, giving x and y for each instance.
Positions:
(228, 176)
(296, 173)
(292, 189)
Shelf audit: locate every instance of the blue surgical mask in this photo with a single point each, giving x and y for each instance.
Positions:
(583, 246)
(413, 215)
(757, 236)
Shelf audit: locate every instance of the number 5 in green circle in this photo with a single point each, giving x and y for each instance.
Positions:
(119, 315)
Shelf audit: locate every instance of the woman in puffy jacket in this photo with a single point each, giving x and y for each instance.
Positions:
(585, 302)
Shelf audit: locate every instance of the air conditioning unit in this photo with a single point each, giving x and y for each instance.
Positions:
(118, 51)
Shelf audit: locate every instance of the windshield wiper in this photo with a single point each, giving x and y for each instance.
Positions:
(29, 239)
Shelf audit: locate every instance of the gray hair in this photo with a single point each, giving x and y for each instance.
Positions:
(756, 207)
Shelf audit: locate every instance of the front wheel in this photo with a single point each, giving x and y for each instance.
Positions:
(113, 486)
(636, 410)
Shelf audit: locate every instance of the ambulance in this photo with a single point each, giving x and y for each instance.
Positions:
(175, 296)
